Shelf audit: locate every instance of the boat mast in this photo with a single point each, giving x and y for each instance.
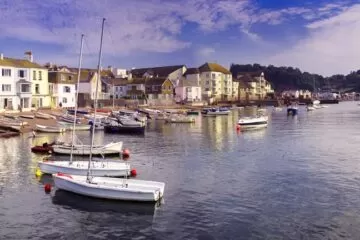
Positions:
(76, 98)
(96, 98)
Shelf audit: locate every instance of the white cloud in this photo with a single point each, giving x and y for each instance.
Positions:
(331, 47)
(141, 25)
(206, 51)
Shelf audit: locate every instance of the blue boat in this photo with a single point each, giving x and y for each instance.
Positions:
(72, 111)
(215, 111)
(292, 110)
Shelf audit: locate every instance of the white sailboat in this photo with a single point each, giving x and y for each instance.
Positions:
(100, 168)
(105, 187)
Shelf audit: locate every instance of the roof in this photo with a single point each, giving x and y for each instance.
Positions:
(23, 81)
(137, 81)
(191, 71)
(213, 67)
(118, 81)
(156, 71)
(183, 82)
(245, 78)
(155, 81)
(243, 84)
(19, 63)
(55, 77)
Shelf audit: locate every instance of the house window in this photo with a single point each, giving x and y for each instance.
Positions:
(62, 77)
(213, 75)
(6, 72)
(207, 82)
(66, 89)
(40, 75)
(64, 100)
(169, 87)
(25, 88)
(21, 74)
(6, 87)
(69, 78)
(207, 89)
(34, 75)
(37, 88)
(207, 75)
(188, 89)
(120, 88)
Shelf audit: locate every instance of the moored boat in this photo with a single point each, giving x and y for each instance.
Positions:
(253, 122)
(8, 133)
(180, 119)
(45, 148)
(78, 127)
(49, 129)
(111, 188)
(44, 116)
(215, 111)
(113, 148)
(29, 116)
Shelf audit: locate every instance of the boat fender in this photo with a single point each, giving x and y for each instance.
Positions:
(238, 127)
(126, 153)
(133, 172)
(47, 188)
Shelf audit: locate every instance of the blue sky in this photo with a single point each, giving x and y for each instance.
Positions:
(317, 36)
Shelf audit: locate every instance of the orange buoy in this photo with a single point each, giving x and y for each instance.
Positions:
(47, 188)
(133, 173)
(126, 153)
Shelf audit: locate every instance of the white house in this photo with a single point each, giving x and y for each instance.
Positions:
(119, 72)
(117, 87)
(188, 88)
(15, 81)
(62, 87)
(216, 82)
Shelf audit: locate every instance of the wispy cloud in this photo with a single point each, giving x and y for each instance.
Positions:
(331, 47)
(137, 26)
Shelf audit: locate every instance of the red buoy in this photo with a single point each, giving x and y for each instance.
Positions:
(47, 188)
(126, 153)
(238, 127)
(133, 172)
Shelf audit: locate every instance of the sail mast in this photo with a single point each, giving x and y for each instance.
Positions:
(76, 98)
(96, 97)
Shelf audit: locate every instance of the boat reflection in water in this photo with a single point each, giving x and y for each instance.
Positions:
(88, 204)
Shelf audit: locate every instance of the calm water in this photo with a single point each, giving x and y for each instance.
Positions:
(297, 179)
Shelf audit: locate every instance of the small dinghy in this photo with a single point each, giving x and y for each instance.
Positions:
(98, 168)
(111, 188)
(78, 127)
(49, 129)
(45, 148)
(253, 122)
(114, 148)
(29, 116)
(44, 116)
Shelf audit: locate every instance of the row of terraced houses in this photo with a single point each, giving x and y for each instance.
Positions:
(26, 85)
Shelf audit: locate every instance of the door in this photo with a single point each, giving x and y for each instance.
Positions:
(5, 103)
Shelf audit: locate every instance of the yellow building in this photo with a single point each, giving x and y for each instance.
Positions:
(40, 84)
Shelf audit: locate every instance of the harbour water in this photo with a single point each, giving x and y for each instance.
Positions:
(297, 179)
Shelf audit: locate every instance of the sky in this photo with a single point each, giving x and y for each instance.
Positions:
(318, 36)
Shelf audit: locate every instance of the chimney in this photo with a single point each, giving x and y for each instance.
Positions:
(29, 56)
(1, 56)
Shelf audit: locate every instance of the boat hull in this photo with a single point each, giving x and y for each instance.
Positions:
(41, 128)
(111, 188)
(99, 168)
(84, 150)
(124, 130)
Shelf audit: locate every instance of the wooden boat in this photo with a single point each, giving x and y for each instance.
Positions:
(49, 129)
(253, 122)
(45, 148)
(44, 116)
(7, 133)
(8, 115)
(29, 116)
(69, 119)
(113, 148)
(78, 127)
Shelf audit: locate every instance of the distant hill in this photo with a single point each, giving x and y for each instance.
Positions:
(284, 78)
